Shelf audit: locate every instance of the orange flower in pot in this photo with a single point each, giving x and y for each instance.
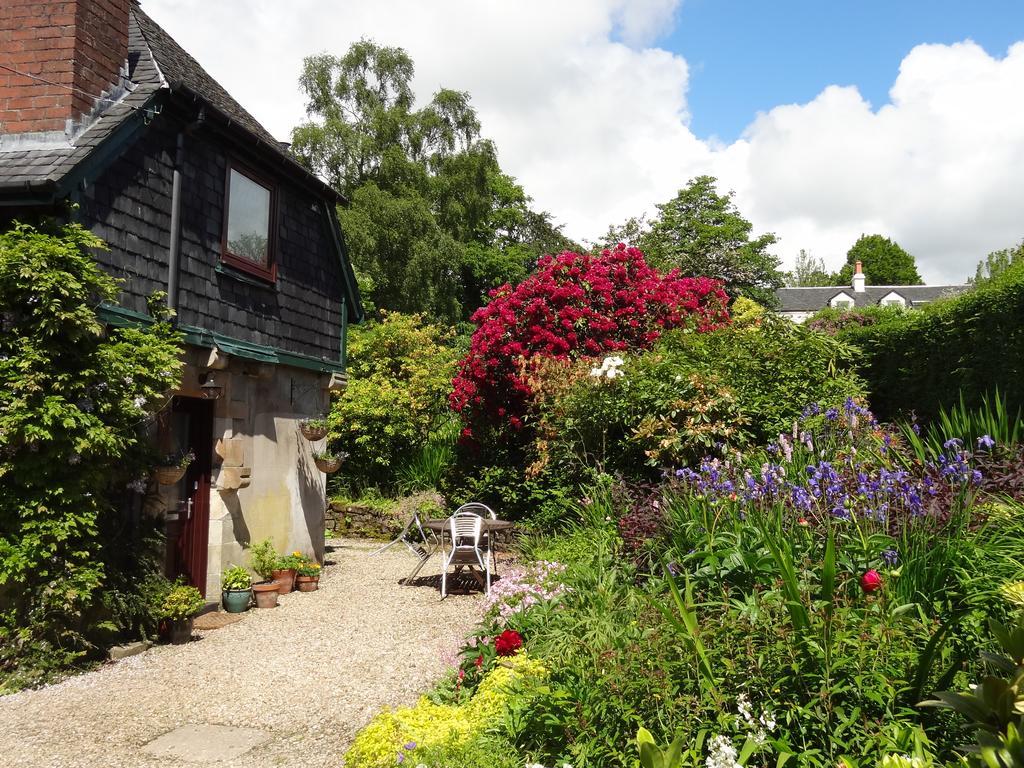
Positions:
(287, 567)
(308, 578)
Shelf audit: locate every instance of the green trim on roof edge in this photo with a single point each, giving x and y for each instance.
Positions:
(121, 317)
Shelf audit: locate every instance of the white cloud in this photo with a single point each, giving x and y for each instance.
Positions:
(594, 123)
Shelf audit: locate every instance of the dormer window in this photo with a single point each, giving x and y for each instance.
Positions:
(248, 232)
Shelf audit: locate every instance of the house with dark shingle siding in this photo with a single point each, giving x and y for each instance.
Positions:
(799, 304)
(106, 120)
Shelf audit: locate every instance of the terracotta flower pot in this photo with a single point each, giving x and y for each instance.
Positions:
(169, 475)
(266, 594)
(181, 631)
(285, 580)
(313, 433)
(307, 583)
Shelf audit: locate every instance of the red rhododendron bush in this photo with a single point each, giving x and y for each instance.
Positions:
(573, 306)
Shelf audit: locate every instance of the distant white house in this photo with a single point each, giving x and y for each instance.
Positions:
(798, 304)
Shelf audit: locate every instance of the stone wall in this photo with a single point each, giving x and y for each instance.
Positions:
(264, 483)
(344, 519)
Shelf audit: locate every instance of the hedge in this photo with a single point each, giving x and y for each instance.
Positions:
(970, 345)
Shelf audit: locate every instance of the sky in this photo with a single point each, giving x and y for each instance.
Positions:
(827, 120)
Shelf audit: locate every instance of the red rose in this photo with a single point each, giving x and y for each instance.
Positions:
(479, 661)
(508, 642)
(871, 581)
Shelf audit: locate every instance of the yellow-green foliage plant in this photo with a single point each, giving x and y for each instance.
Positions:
(427, 725)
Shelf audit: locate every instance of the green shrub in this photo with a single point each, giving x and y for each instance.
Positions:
(74, 398)
(181, 602)
(834, 321)
(401, 369)
(691, 396)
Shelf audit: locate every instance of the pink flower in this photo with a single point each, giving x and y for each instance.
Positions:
(871, 581)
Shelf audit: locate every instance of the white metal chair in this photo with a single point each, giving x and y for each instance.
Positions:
(477, 509)
(488, 537)
(468, 549)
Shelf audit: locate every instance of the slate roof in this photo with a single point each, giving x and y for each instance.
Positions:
(157, 65)
(818, 297)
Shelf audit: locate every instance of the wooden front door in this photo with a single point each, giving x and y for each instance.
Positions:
(193, 430)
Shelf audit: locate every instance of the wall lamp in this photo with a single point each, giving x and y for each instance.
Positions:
(209, 387)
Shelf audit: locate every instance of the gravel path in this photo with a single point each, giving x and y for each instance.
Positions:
(308, 674)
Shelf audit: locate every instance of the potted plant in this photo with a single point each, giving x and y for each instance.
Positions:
(328, 461)
(264, 561)
(314, 428)
(236, 589)
(308, 576)
(179, 607)
(284, 571)
(171, 467)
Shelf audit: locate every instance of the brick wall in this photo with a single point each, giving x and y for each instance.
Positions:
(80, 44)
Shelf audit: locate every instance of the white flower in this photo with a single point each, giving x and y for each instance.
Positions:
(139, 402)
(721, 754)
(743, 707)
(609, 368)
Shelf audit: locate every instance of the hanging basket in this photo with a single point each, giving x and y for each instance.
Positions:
(169, 475)
(328, 466)
(313, 433)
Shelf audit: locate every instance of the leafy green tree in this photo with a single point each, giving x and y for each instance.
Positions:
(809, 271)
(998, 263)
(75, 398)
(701, 232)
(630, 232)
(883, 261)
(433, 223)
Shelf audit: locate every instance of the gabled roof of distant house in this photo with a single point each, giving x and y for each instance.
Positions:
(159, 69)
(818, 297)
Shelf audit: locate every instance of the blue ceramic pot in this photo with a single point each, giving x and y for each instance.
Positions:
(236, 600)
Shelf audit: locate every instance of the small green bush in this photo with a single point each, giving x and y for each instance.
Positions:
(181, 602)
(235, 577)
(401, 369)
(264, 559)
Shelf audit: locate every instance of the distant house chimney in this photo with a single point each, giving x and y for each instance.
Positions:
(59, 63)
(858, 278)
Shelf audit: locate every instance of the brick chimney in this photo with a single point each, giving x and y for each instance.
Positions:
(80, 43)
(858, 278)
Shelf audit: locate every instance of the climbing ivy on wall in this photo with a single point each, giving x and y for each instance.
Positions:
(75, 398)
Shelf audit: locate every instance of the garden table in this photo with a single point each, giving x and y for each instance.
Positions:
(437, 526)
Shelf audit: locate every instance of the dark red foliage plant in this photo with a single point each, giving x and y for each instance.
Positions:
(574, 306)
